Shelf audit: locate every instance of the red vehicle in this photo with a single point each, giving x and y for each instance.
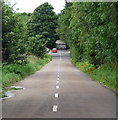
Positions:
(54, 50)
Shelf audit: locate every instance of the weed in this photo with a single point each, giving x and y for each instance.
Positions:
(12, 73)
(105, 74)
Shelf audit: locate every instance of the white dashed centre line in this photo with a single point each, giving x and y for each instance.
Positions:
(57, 75)
(57, 78)
(60, 56)
(57, 81)
(56, 95)
(55, 108)
(57, 87)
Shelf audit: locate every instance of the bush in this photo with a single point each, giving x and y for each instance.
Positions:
(105, 74)
(36, 46)
(13, 36)
(43, 23)
(90, 30)
(14, 72)
(9, 78)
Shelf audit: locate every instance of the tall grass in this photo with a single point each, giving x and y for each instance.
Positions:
(104, 74)
(13, 72)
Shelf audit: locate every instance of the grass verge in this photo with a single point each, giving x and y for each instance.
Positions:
(104, 74)
(13, 73)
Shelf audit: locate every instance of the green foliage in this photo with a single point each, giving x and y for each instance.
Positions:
(43, 22)
(9, 78)
(37, 45)
(16, 44)
(89, 29)
(23, 17)
(63, 30)
(104, 74)
(26, 33)
(47, 56)
(13, 72)
(13, 35)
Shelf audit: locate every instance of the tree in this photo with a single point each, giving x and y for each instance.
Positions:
(43, 23)
(63, 30)
(13, 36)
(23, 17)
(92, 32)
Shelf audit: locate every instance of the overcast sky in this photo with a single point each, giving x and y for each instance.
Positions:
(29, 6)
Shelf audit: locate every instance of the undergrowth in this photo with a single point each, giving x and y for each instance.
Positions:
(104, 74)
(13, 73)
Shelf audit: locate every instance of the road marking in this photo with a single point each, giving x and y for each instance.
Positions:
(57, 81)
(57, 75)
(59, 69)
(56, 95)
(57, 87)
(60, 56)
(57, 78)
(55, 108)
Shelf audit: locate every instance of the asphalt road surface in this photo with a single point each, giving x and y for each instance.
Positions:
(59, 90)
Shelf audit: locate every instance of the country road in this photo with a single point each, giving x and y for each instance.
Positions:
(59, 90)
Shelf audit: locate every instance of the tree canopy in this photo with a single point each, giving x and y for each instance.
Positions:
(27, 33)
(43, 23)
(90, 31)
(13, 34)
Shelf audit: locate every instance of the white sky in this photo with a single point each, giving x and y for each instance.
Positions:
(29, 6)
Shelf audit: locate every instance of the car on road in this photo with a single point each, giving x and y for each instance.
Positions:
(54, 50)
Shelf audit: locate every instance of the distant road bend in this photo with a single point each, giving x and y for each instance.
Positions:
(59, 90)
